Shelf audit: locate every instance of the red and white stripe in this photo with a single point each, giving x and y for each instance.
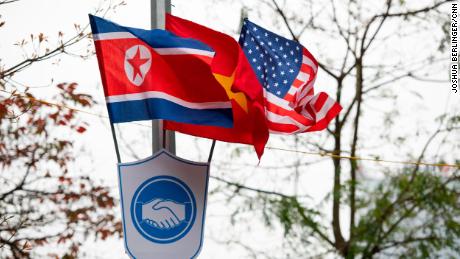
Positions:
(300, 110)
(168, 97)
(203, 54)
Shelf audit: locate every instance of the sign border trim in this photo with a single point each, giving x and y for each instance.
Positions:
(160, 152)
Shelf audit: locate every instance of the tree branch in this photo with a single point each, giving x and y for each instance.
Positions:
(407, 241)
(414, 12)
(281, 13)
(244, 187)
(23, 180)
(387, 212)
(314, 228)
(7, 1)
(294, 37)
(340, 30)
(58, 50)
(364, 46)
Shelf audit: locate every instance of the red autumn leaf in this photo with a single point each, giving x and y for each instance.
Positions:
(40, 125)
(3, 110)
(81, 129)
(41, 37)
(53, 116)
(68, 116)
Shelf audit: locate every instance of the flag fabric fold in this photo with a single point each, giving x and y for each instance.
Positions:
(287, 72)
(233, 71)
(154, 74)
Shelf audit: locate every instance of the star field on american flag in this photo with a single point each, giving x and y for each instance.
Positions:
(275, 59)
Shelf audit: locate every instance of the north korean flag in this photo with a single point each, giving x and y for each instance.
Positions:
(154, 74)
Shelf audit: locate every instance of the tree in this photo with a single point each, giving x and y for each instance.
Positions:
(406, 211)
(42, 201)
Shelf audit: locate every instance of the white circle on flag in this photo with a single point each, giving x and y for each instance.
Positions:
(137, 63)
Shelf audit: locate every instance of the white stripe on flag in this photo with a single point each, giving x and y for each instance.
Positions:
(306, 60)
(305, 113)
(283, 119)
(325, 109)
(304, 97)
(277, 113)
(276, 100)
(283, 132)
(288, 120)
(161, 51)
(293, 90)
(165, 96)
(182, 51)
(303, 76)
(113, 36)
(280, 119)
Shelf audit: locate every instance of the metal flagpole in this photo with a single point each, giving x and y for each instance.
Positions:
(211, 151)
(114, 136)
(158, 10)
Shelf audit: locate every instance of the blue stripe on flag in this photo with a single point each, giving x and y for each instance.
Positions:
(155, 38)
(156, 108)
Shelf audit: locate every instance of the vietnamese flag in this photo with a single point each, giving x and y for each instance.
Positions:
(233, 71)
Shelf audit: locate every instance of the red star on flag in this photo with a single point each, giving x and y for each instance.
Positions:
(136, 62)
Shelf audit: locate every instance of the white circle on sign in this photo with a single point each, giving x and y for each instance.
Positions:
(137, 63)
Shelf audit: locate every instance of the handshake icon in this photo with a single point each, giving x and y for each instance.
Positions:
(163, 214)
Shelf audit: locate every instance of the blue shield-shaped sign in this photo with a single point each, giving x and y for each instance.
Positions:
(163, 200)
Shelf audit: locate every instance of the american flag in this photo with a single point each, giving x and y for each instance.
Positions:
(287, 71)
